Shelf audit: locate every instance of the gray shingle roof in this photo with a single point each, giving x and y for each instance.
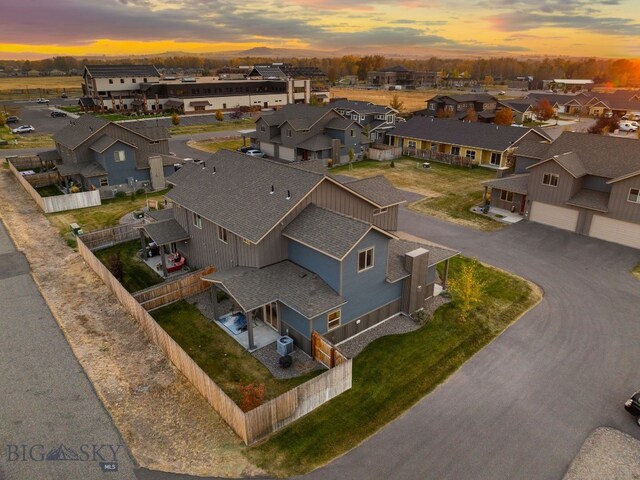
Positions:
(104, 142)
(93, 169)
(533, 149)
(300, 116)
(146, 129)
(520, 104)
(377, 189)
(49, 156)
(316, 143)
(296, 287)
(399, 247)
(237, 196)
(513, 183)
(328, 232)
(471, 134)
(571, 162)
(106, 71)
(79, 130)
(165, 232)
(601, 155)
(160, 215)
(317, 166)
(360, 107)
(339, 123)
(590, 199)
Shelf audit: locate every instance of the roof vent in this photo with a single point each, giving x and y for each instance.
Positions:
(214, 169)
(272, 190)
(288, 194)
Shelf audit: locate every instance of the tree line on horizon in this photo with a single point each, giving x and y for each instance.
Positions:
(617, 72)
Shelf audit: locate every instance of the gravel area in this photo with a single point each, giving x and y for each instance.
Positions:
(393, 326)
(606, 454)
(302, 363)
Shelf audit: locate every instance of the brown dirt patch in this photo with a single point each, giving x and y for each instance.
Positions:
(413, 99)
(167, 425)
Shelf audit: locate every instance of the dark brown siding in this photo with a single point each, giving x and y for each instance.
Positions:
(619, 207)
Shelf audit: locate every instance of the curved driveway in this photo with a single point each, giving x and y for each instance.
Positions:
(523, 405)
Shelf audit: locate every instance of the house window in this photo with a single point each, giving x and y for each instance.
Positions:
(333, 319)
(119, 156)
(352, 132)
(389, 118)
(432, 106)
(455, 150)
(263, 128)
(288, 132)
(104, 182)
(199, 108)
(223, 234)
(550, 179)
(412, 144)
(111, 80)
(379, 211)
(122, 80)
(634, 195)
(365, 259)
(506, 196)
(144, 80)
(495, 158)
(133, 80)
(471, 154)
(197, 220)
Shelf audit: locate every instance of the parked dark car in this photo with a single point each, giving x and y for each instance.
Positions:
(244, 149)
(13, 119)
(56, 113)
(633, 406)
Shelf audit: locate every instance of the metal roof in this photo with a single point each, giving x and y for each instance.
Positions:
(106, 71)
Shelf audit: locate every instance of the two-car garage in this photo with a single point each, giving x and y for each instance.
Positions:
(559, 217)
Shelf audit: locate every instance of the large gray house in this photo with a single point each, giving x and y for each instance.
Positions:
(95, 153)
(588, 184)
(298, 250)
(305, 132)
(377, 120)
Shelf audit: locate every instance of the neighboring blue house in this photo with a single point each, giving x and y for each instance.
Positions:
(298, 250)
(94, 153)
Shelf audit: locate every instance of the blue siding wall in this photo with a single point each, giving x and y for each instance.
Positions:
(119, 172)
(295, 320)
(319, 323)
(325, 267)
(366, 291)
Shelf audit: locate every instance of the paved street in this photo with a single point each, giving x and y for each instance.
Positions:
(46, 400)
(522, 407)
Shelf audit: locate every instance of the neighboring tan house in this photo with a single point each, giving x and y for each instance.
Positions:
(305, 132)
(453, 141)
(458, 106)
(298, 250)
(584, 183)
(95, 153)
(376, 119)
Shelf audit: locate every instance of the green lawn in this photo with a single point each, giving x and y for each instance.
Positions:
(222, 358)
(392, 374)
(217, 126)
(450, 191)
(136, 274)
(95, 218)
(49, 191)
(24, 140)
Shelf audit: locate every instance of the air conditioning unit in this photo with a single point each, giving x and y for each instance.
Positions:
(284, 345)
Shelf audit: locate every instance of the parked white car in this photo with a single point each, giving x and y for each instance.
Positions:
(255, 153)
(23, 129)
(628, 127)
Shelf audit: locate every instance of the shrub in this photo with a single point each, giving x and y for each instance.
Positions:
(330, 163)
(120, 194)
(285, 361)
(219, 115)
(392, 164)
(252, 396)
(175, 119)
(420, 317)
(140, 191)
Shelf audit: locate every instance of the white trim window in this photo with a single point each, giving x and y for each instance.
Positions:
(333, 319)
(380, 211)
(496, 158)
(365, 259)
(197, 220)
(634, 195)
(104, 182)
(550, 179)
(223, 234)
(506, 196)
(455, 150)
(119, 156)
(470, 154)
(411, 144)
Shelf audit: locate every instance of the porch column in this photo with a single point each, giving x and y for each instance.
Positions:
(249, 316)
(143, 243)
(163, 257)
(214, 299)
(486, 189)
(446, 274)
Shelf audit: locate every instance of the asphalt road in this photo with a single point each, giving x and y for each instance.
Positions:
(38, 115)
(46, 400)
(522, 406)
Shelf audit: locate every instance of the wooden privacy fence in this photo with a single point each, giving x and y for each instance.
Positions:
(42, 179)
(58, 203)
(168, 292)
(384, 152)
(28, 162)
(250, 426)
(110, 236)
(440, 157)
(325, 352)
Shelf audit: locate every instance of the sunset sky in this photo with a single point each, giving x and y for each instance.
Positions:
(43, 28)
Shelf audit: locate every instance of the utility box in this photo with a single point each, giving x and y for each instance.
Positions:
(284, 345)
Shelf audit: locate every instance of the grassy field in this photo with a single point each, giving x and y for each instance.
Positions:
(136, 274)
(245, 123)
(412, 99)
(94, 218)
(24, 140)
(49, 191)
(450, 191)
(393, 373)
(25, 88)
(213, 145)
(222, 358)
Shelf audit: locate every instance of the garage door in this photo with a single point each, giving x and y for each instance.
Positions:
(267, 148)
(286, 153)
(616, 231)
(553, 215)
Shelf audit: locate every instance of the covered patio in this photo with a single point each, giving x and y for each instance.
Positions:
(162, 235)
